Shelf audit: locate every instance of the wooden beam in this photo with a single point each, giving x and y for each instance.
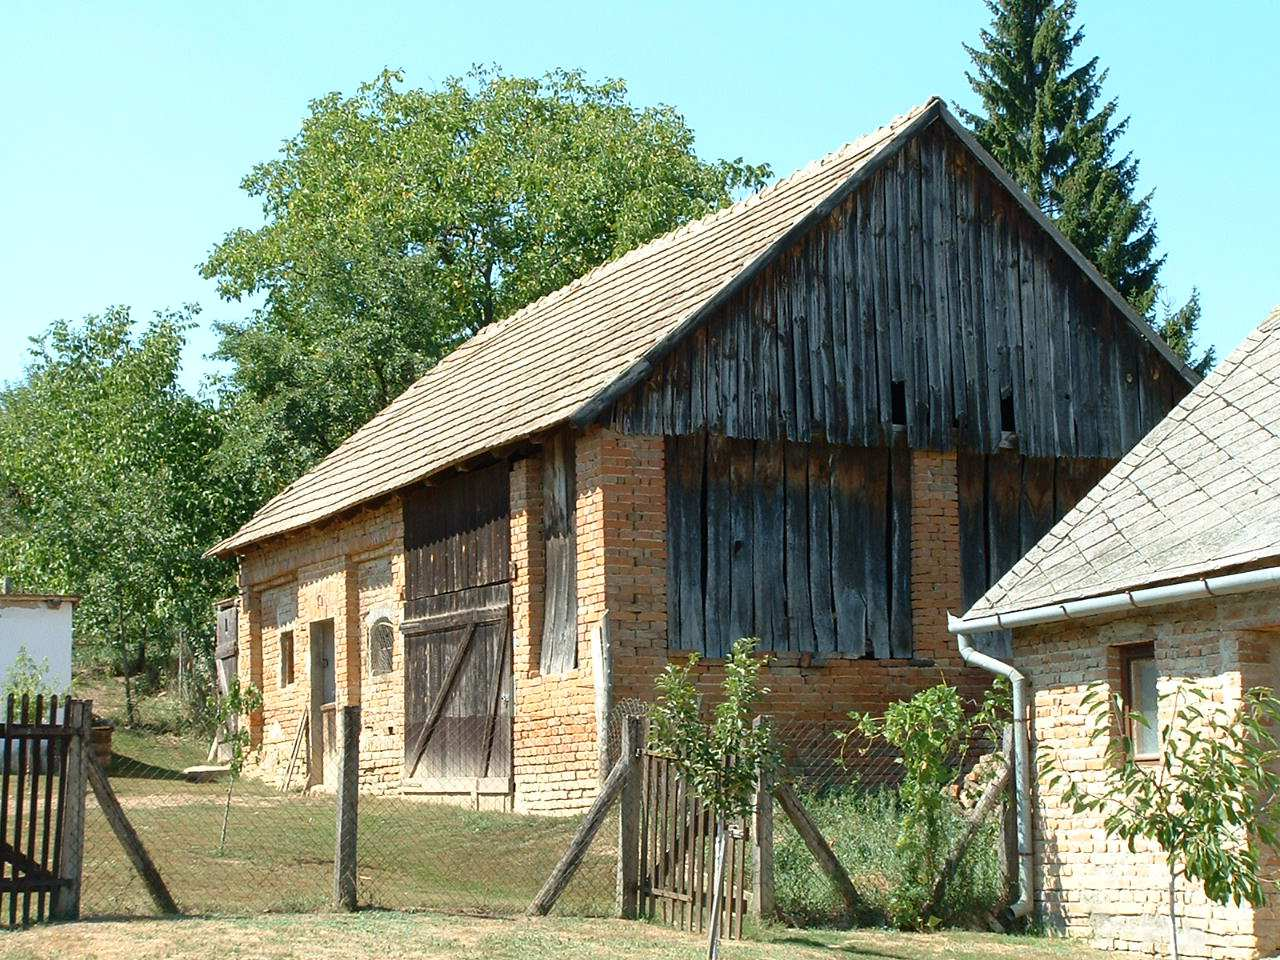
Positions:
(818, 846)
(128, 837)
(990, 797)
(572, 859)
(762, 900)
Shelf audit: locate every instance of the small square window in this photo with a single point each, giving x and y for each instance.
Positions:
(1139, 677)
(382, 637)
(286, 657)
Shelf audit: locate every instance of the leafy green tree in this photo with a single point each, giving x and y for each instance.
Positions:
(932, 733)
(106, 488)
(1209, 802)
(400, 221)
(1046, 120)
(721, 759)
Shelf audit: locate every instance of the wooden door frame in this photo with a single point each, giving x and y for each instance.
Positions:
(316, 702)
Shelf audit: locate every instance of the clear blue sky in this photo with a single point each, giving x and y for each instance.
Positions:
(129, 125)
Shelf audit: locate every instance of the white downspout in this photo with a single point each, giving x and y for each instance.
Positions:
(1021, 765)
(1261, 579)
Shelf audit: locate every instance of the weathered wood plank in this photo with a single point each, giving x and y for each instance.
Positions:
(900, 627)
(821, 596)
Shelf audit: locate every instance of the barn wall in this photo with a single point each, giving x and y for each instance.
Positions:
(929, 299)
(806, 689)
(1089, 885)
(350, 571)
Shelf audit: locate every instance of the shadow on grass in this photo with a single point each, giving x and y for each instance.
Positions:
(854, 949)
(128, 768)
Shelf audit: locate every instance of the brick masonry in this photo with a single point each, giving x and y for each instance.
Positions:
(1089, 885)
(352, 571)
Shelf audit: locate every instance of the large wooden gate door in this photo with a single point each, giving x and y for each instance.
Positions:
(457, 631)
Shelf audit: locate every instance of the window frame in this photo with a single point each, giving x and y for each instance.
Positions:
(1129, 655)
(287, 674)
(379, 621)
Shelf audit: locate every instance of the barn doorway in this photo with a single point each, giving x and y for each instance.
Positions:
(324, 706)
(457, 632)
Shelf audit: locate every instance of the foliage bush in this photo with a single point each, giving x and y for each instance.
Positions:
(863, 825)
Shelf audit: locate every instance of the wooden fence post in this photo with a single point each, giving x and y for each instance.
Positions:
(344, 860)
(65, 904)
(762, 900)
(818, 846)
(629, 814)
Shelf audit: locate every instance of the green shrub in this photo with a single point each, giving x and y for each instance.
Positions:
(863, 827)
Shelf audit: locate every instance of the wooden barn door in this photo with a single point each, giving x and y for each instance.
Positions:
(457, 630)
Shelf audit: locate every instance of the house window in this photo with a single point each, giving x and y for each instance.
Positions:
(381, 641)
(1138, 696)
(286, 657)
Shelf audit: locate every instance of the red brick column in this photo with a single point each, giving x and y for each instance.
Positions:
(935, 555)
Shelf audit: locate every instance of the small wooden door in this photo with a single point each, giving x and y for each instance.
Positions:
(324, 695)
(459, 694)
(226, 652)
(457, 632)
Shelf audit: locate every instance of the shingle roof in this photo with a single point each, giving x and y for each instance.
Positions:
(1197, 495)
(565, 356)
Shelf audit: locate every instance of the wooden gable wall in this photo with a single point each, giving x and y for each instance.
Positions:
(930, 299)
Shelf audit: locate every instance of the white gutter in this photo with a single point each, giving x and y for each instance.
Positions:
(1072, 610)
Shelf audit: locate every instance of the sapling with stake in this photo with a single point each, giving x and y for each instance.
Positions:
(238, 701)
(1207, 800)
(720, 758)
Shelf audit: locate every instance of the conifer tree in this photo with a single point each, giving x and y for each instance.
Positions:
(1045, 119)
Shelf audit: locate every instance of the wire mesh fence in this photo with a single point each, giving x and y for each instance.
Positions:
(248, 847)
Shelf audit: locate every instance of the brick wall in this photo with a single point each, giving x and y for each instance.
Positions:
(1088, 884)
(349, 572)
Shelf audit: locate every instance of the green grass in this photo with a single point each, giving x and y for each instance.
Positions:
(400, 936)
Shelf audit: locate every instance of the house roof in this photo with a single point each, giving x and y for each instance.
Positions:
(569, 355)
(1196, 496)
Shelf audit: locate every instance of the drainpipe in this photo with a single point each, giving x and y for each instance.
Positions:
(1266, 578)
(1021, 766)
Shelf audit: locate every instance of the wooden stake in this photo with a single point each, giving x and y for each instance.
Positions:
(762, 900)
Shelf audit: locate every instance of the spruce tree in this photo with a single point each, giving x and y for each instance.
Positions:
(1047, 122)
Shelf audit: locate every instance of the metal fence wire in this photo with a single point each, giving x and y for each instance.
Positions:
(267, 850)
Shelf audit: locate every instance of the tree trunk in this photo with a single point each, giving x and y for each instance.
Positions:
(1173, 912)
(717, 891)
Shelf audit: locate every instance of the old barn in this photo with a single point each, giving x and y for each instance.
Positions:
(821, 416)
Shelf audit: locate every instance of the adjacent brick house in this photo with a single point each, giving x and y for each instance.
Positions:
(821, 416)
(1165, 573)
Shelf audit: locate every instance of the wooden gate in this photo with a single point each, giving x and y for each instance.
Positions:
(677, 855)
(36, 739)
(457, 633)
